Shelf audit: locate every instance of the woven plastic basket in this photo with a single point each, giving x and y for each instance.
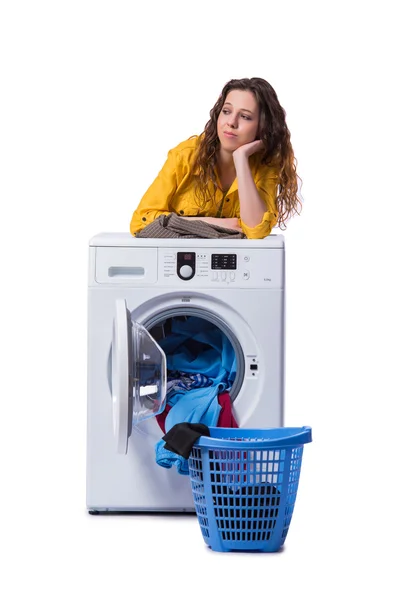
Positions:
(244, 484)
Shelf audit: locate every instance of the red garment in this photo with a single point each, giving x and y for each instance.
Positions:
(161, 417)
(225, 418)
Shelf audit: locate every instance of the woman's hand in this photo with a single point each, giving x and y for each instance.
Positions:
(248, 149)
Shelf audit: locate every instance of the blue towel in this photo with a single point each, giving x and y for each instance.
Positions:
(214, 357)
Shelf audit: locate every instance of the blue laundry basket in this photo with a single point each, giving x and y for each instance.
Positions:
(244, 484)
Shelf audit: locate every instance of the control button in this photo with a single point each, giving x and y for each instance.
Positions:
(232, 276)
(223, 276)
(246, 275)
(215, 276)
(186, 271)
(247, 258)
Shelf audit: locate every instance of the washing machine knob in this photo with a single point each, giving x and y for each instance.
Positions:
(186, 271)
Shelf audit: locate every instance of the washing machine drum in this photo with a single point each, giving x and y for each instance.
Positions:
(139, 375)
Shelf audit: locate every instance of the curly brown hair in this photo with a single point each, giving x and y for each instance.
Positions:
(278, 152)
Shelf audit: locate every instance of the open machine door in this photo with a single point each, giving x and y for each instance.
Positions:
(139, 375)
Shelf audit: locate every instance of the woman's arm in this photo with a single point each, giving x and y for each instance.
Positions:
(252, 206)
(258, 210)
(228, 223)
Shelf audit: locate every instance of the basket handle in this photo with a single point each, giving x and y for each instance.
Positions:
(267, 438)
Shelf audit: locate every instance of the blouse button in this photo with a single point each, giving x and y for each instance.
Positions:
(181, 212)
(143, 218)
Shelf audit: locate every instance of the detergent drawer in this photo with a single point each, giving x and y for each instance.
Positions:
(126, 265)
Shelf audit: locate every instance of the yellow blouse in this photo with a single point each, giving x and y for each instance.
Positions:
(172, 191)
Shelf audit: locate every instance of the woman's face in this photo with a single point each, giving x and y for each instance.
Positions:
(237, 122)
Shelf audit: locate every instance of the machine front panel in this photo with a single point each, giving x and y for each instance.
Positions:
(194, 267)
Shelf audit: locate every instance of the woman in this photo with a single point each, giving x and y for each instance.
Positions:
(240, 173)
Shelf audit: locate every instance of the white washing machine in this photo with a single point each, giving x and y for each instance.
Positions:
(135, 287)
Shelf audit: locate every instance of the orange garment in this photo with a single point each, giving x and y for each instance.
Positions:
(174, 191)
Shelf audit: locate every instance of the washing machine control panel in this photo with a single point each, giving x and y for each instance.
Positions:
(252, 267)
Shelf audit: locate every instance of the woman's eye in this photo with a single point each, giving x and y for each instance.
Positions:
(246, 117)
(225, 111)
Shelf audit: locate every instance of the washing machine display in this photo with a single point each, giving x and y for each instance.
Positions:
(224, 261)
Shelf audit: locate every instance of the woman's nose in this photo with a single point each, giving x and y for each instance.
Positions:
(232, 121)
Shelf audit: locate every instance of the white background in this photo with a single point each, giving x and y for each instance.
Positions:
(93, 95)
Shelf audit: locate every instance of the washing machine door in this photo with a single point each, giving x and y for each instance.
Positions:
(138, 378)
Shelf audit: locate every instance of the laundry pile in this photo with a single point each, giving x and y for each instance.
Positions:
(201, 366)
(172, 226)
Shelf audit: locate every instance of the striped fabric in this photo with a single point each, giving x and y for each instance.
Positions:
(172, 226)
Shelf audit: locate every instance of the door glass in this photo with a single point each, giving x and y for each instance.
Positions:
(148, 375)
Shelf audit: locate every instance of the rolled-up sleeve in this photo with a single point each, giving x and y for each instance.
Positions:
(267, 187)
(156, 201)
